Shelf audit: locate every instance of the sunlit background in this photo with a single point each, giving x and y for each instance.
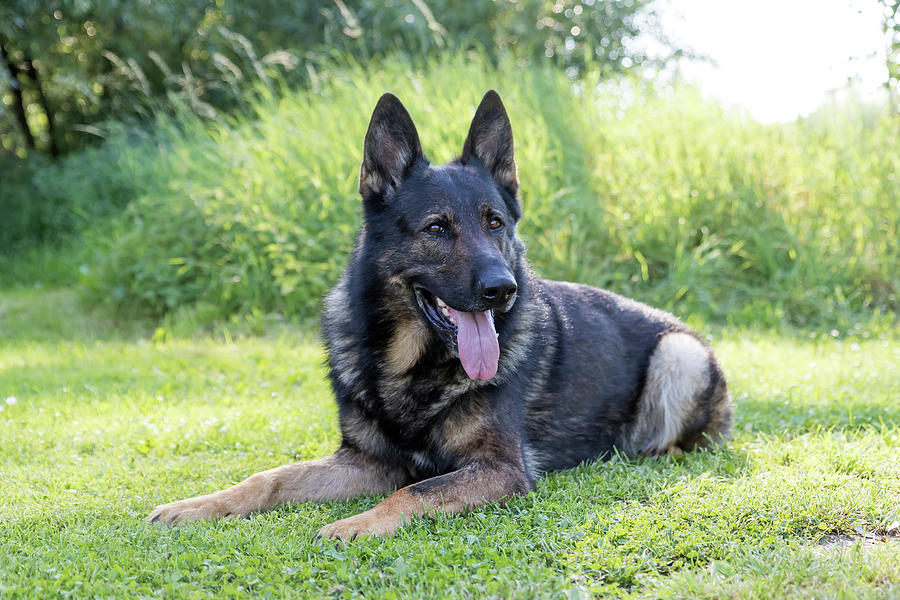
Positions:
(781, 58)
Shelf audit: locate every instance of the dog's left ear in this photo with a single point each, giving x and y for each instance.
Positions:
(490, 142)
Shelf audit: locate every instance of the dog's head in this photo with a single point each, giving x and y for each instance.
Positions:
(446, 235)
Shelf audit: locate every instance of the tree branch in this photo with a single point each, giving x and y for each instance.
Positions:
(45, 105)
(16, 85)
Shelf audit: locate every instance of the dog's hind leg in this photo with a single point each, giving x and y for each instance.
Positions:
(344, 474)
(685, 402)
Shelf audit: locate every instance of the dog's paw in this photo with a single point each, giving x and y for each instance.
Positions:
(185, 511)
(363, 524)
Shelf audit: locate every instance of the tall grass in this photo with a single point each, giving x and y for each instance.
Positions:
(663, 196)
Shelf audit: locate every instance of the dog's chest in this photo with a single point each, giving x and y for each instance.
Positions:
(430, 428)
(422, 395)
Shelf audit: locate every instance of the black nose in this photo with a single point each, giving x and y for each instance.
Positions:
(497, 290)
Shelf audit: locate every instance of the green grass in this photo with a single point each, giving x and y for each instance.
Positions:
(110, 419)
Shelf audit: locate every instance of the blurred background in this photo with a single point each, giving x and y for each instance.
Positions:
(194, 161)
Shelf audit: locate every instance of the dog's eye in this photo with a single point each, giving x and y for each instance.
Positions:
(495, 224)
(435, 228)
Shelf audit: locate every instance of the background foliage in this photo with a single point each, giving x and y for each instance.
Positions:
(80, 63)
(891, 28)
(231, 132)
(665, 196)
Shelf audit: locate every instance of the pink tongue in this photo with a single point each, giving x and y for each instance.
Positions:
(476, 340)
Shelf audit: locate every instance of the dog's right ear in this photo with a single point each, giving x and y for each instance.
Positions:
(391, 148)
(490, 142)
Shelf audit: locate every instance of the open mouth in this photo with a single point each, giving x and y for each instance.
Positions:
(472, 333)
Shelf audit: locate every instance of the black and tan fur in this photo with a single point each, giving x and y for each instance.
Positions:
(581, 371)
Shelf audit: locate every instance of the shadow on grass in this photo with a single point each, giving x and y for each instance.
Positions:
(58, 315)
(637, 478)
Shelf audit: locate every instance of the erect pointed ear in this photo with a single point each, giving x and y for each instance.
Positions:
(391, 148)
(490, 141)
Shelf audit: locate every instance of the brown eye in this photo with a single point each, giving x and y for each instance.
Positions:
(495, 224)
(435, 228)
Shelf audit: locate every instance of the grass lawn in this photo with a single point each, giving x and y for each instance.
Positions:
(101, 422)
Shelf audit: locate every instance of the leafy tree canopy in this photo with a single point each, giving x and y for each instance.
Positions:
(72, 65)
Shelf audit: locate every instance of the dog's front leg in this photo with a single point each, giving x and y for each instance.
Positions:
(344, 474)
(475, 484)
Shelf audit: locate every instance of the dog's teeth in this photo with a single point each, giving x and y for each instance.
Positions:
(446, 312)
(440, 302)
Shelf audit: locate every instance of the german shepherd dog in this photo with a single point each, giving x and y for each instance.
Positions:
(460, 376)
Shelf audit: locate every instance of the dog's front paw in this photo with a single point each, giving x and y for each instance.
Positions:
(192, 509)
(363, 524)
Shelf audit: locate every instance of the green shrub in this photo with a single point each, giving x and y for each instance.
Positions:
(663, 196)
(45, 202)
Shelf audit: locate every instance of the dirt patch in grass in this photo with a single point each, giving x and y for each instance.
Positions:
(869, 541)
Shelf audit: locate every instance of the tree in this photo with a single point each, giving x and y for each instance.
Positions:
(891, 28)
(73, 64)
